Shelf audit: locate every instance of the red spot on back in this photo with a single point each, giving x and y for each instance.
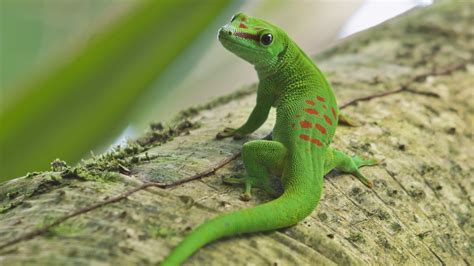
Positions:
(306, 124)
(317, 142)
(308, 138)
(309, 102)
(304, 137)
(328, 120)
(333, 112)
(321, 128)
(311, 111)
(321, 99)
(243, 26)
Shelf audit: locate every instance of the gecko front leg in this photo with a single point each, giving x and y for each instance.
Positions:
(256, 119)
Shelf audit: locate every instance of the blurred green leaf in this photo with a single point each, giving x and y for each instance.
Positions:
(31, 29)
(82, 99)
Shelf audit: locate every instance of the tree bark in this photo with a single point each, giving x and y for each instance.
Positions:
(408, 83)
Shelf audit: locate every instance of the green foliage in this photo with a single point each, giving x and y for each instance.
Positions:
(83, 98)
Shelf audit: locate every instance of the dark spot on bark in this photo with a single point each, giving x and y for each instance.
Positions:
(417, 193)
(425, 169)
(355, 237)
(392, 192)
(186, 124)
(355, 191)
(126, 250)
(187, 200)
(451, 131)
(396, 227)
(331, 236)
(12, 195)
(122, 214)
(381, 240)
(381, 214)
(322, 216)
(26, 205)
(422, 235)
(380, 183)
(156, 126)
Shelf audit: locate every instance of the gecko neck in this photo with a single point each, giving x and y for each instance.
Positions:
(290, 73)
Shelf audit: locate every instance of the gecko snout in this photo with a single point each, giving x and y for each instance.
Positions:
(225, 31)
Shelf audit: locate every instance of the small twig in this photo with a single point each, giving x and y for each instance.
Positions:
(370, 97)
(405, 87)
(425, 93)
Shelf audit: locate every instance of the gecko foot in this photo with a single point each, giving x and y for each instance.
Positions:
(362, 178)
(360, 162)
(245, 196)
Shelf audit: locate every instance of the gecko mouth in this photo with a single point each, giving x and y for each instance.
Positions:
(227, 31)
(248, 36)
(231, 44)
(228, 36)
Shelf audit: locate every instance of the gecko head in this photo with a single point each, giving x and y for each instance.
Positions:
(254, 40)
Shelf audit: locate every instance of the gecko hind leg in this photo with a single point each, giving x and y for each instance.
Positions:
(351, 165)
(261, 158)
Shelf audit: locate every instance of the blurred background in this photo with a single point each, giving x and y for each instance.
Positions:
(84, 75)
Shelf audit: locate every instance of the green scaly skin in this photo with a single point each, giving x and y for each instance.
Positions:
(307, 116)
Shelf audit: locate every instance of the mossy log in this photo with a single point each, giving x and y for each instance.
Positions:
(412, 79)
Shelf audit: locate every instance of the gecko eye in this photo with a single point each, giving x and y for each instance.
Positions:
(266, 39)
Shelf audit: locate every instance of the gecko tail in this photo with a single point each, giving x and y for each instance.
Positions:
(291, 207)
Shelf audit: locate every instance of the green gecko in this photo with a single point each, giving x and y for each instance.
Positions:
(307, 116)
